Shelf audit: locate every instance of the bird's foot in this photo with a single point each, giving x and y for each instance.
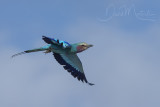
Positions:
(47, 51)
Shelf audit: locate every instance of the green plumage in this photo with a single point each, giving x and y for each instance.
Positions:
(65, 54)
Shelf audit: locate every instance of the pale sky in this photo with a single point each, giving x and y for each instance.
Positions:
(123, 64)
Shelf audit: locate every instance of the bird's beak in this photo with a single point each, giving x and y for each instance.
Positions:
(90, 46)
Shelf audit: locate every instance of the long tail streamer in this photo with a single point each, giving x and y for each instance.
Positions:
(18, 54)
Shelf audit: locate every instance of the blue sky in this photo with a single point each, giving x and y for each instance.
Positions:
(124, 62)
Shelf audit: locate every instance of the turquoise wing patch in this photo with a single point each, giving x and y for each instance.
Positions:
(48, 40)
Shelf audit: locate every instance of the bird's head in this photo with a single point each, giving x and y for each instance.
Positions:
(82, 46)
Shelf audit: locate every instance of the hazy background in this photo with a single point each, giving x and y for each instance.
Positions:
(124, 63)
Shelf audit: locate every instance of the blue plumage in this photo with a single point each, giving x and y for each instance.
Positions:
(65, 54)
(64, 44)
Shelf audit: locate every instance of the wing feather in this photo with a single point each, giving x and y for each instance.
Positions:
(72, 64)
(64, 44)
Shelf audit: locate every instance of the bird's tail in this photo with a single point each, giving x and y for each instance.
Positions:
(45, 48)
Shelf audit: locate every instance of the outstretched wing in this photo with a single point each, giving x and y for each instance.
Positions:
(48, 40)
(72, 64)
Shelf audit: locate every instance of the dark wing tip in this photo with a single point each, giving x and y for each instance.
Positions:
(90, 84)
(47, 39)
(43, 36)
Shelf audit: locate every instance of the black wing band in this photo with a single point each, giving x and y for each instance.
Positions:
(47, 40)
(75, 73)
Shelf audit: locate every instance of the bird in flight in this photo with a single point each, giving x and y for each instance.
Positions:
(65, 54)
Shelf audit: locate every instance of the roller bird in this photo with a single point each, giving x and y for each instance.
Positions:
(65, 54)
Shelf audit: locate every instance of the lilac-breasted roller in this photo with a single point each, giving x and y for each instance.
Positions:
(65, 54)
